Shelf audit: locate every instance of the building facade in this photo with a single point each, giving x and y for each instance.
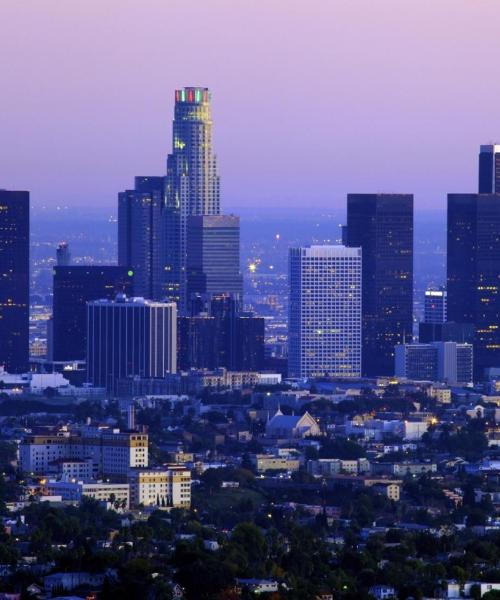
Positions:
(130, 337)
(112, 453)
(213, 255)
(73, 287)
(14, 280)
(435, 306)
(382, 225)
(163, 488)
(489, 169)
(449, 362)
(192, 179)
(473, 272)
(74, 490)
(325, 312)
(142, 236)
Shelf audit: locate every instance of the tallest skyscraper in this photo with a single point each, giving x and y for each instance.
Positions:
(170, 224)
(192, 183)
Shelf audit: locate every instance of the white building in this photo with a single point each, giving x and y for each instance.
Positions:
(325, 312)
(459, 590)
(74, 490)
(160, 487)
(73, 468)
(113, 452)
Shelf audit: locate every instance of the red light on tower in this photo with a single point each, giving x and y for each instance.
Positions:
(177, 95)
(190, 96)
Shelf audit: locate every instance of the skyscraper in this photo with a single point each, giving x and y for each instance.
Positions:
(213, 257)
(221, 335)
(73, 288)
(248, 351)
(489, 169)
(325, 312)
(14, 280)
(435, 302)
(435, 316)
(192, 178)
(196, 343)
(142, 236)
(130, 337)
(474, 272)
(63, 255)
(382, 225)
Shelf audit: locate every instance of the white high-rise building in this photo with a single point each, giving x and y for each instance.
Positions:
(325, 312)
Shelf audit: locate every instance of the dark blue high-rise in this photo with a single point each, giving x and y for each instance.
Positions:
(14, 280)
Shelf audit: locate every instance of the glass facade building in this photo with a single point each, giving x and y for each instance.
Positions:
(448, 362)
(324, 327)
(142, 236)
(74, 286)
(213, 258)
(435, 302)
(382, 225)
(14, 280)
(473, 272)
(489, 169)
(192, 179)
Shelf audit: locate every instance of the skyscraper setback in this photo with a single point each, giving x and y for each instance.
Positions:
(153, 218)
(14, 280)
(382, 225)
(192, 179)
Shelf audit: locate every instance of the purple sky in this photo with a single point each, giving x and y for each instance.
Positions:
(311, 98)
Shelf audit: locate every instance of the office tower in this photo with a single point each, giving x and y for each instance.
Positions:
(197, 344)
(248, 351)
(435, 315)
(73, 288)
(14, 280)
(63, 255)
(489, 169)
(192, 178)
(130, 337)
(382, 225)
(435, 306)
(474, 272)
(224, 308)
(417, 362)
(221, 335)
(448, 362)
(142, 231)
(324, 329)
(213, 255)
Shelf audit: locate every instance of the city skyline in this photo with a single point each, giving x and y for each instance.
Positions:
(385, 105)
(249, 300)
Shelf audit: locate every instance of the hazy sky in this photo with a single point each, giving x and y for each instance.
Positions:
(311, 98)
